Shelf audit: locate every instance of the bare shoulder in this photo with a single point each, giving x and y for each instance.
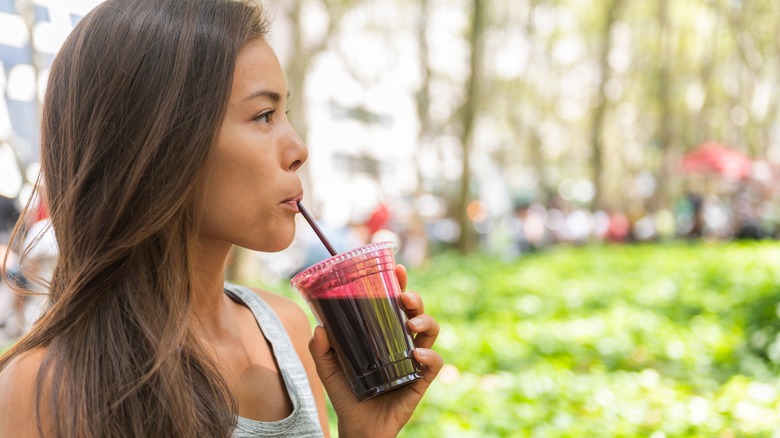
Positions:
(296, 323)
(20, 374)
(17, 394)
(290, 313)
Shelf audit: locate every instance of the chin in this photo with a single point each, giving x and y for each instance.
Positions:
(274, 244)
(267, 239)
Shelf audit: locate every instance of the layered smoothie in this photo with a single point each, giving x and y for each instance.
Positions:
(355, 296)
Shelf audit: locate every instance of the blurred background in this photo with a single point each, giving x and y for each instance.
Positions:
(585, 193)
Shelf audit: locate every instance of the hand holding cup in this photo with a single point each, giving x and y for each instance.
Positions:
(387, 414)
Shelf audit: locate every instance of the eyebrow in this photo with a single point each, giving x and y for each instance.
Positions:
(273, 95)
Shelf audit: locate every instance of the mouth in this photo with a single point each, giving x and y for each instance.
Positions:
(292, 201)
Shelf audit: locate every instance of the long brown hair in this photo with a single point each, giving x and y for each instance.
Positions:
(134, 101)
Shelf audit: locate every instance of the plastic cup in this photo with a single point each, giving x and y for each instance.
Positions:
(355, 296)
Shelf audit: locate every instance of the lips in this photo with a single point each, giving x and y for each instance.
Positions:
(295, 198)
(292, 201)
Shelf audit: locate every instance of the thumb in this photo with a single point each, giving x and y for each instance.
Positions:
(328, 368)
(324, 357)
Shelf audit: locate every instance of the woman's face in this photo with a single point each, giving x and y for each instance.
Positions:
(252, 184)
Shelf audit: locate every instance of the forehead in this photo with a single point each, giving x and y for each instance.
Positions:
(257, 67)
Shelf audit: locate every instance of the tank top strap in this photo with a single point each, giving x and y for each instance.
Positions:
(303, 421)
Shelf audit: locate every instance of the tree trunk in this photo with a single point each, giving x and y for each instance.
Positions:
(417, 227)
(468, 114)
(665, 135)
(533, 141)
(703, 131)
(597, 140)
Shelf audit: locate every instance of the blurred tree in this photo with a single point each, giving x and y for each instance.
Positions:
(612, 10)
(664, 134)
(757, 50)
(305, 48)
(517, 101)
(706, 70)
(468, 116)
(559, 91)
(536, 158)
(423, 102)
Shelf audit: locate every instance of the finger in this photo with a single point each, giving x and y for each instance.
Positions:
(431, 362)
(400, 272)
(426, 329)
(413, 304)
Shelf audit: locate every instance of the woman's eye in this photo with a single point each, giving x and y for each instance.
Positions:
(264, 117)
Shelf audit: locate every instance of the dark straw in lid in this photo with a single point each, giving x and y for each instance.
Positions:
(316, 229)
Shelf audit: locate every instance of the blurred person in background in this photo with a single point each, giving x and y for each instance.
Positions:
(37, 267)
(9, 214)
(618, 227)
(28, 269)
(11, 305)
(164, 143)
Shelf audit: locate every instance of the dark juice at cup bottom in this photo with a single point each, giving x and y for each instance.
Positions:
(369, 337)
(354, 295)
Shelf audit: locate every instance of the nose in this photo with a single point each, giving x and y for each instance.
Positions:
(296, 151)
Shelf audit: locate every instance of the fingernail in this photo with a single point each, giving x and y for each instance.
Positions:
(416, 322)
(421, 353)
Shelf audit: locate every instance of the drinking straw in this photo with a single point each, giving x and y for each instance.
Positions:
(316, 229)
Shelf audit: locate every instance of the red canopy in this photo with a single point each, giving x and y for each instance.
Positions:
(714, 158)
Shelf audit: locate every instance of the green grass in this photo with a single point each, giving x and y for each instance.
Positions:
(674, 340)
(677, 340)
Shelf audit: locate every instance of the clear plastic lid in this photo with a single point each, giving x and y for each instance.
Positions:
(327, 264)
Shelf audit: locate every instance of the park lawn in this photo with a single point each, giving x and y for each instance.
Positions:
(676, 340)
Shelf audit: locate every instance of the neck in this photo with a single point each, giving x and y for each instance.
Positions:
(209, 301)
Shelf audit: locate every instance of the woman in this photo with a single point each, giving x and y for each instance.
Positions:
(164, 143)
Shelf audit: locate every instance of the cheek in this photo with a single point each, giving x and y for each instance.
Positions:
(215, 223)
(223, 212)
(231, 188)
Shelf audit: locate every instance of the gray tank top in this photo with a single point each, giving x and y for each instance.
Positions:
(303, 421)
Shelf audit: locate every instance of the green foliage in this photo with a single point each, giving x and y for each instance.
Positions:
(675, 340)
